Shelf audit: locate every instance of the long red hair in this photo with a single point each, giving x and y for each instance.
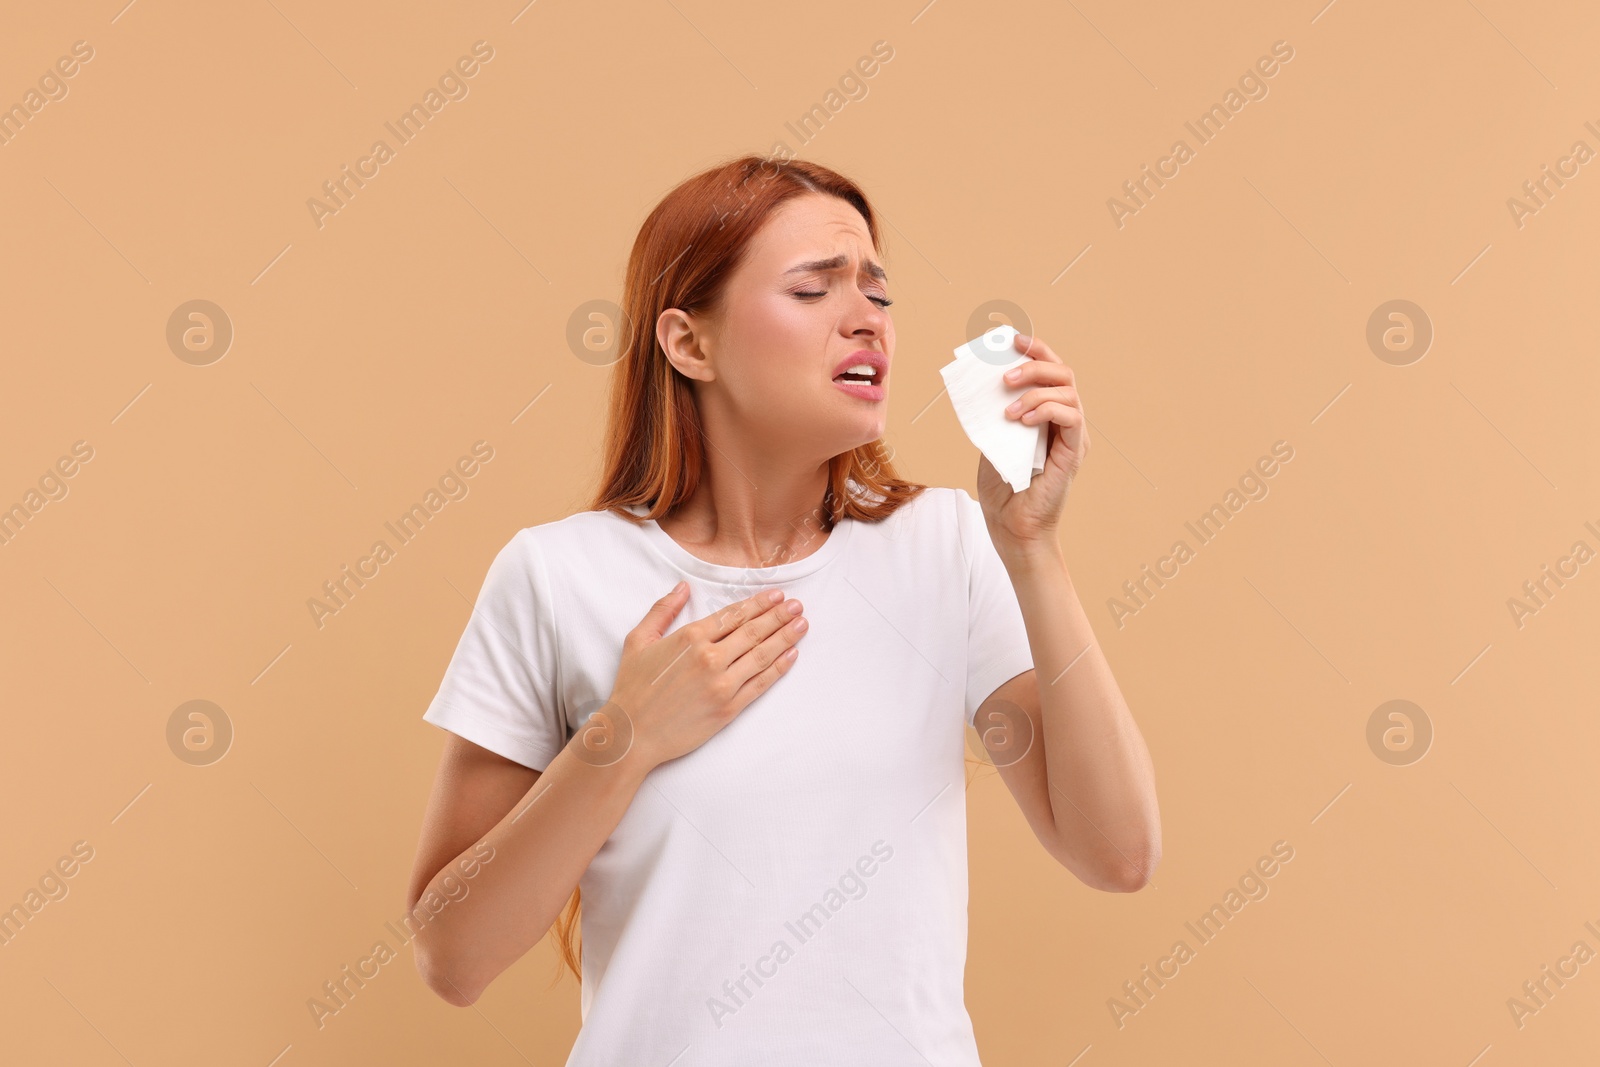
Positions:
(654, 451)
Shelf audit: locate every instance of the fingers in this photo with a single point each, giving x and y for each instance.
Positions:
(765, 663)
(1043, 367)
(1039, 372)
(1029, 403)
(1035, 348)
(720, 624)
(1066, 415)
(779, 620)
(1057, 398)
(751, 636)
(663, 611)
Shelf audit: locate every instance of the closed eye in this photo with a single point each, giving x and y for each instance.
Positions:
(881, 301)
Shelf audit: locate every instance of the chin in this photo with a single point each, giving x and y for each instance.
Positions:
(838, 440)
(861, 426)
(866, 436)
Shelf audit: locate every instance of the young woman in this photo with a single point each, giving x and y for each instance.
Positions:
(765, 820)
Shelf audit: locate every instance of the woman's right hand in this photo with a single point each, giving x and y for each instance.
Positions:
(676, 691)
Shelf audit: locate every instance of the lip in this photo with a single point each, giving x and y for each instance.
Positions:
(871, 358)
(865, 392)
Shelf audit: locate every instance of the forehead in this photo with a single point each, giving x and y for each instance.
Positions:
(810, 229)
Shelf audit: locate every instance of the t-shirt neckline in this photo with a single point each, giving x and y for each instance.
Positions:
(685, 560)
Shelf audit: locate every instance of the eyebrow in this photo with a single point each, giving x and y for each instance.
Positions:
(835, 263)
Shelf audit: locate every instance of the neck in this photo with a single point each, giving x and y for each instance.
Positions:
(756, 520)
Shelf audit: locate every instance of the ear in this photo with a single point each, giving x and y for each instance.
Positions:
(683, 341)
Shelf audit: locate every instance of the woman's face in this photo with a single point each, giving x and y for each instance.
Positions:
(807, 303)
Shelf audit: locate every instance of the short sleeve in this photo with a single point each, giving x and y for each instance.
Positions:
(997, 638)
(500, 688)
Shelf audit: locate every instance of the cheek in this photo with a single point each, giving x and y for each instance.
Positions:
(793, 326)
(781, 345)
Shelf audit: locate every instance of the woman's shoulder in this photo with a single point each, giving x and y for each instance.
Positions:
(936, 514)
(933, 504)
(943, 516)
(583, 532)
(581, 528)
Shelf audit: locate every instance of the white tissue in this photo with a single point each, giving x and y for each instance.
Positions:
(980, 396)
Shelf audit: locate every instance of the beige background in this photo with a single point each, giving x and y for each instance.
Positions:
(1229, 313)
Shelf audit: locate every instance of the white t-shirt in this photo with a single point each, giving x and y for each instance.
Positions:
(793, 891)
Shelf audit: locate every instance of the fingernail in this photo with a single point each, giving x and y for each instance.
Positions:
(1013, 375)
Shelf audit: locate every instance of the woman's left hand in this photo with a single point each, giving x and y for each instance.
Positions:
(1032, 516)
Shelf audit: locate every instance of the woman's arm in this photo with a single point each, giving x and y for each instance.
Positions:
(672, 693)
(1087, 785)
(544, 828)
(1099, 794)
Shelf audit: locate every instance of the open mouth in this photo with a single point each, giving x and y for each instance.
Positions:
(865, 374)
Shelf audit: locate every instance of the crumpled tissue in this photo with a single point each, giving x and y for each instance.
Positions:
(980, 395)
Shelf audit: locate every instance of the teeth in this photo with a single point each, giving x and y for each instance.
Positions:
(864, 368)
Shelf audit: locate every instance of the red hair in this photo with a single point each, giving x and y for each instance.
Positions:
(685, 252)
(654, 450)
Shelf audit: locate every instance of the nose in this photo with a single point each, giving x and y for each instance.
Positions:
(868, 318)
